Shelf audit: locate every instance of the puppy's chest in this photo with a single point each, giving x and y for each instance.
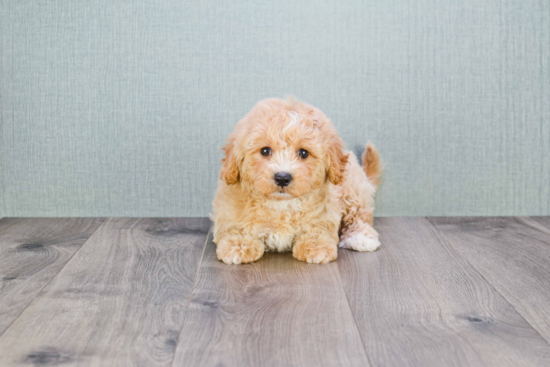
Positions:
(279, 228)
(278, 233)
(278, 241)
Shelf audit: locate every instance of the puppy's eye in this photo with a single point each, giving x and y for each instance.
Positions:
(302, 153)
(265, 151)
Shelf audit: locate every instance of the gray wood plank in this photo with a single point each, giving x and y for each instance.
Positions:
(32, 251)
(120, 301)
(545, 221)
(275, 312)
(513, 254)
(417, 302)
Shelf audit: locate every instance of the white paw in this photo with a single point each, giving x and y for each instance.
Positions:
(360, 242)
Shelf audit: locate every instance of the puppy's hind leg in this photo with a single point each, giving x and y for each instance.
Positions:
(359, 236)
(356, 231)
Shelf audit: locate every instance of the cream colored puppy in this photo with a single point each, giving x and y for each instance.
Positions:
(288, 184)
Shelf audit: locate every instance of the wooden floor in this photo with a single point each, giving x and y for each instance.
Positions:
(150, 292)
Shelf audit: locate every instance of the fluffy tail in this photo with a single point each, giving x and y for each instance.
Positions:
(371, 164)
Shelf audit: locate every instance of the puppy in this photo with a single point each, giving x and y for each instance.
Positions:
(286, 183)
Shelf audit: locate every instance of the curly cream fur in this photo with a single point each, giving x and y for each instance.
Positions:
(329, 202)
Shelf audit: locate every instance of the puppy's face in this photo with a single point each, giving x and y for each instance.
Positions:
(283, 160)
(283, 150)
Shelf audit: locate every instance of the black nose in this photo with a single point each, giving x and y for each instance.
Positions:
(283, 179)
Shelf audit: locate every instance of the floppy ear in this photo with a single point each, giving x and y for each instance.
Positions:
(230, 169)
(337, 160)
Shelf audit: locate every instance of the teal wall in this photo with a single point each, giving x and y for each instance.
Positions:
(119, 108)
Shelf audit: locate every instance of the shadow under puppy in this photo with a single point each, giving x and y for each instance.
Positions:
(288, 184)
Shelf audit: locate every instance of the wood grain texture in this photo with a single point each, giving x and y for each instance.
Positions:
(120, 301)
(545, 221)
(513, 254)
(417, 302)
(32, 252)
(275, 312)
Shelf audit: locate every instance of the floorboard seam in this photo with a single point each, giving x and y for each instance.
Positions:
(353, 315)
(488, 282)
(192, 291)
(55, 276)
(536, 224)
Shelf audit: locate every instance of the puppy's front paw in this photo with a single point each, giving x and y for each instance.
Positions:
(239, 249)
(315, 251)
(360, 242)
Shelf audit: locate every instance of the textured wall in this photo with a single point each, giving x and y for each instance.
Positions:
(119, 107)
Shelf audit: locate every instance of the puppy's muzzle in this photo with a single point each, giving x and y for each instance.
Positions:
(282, 179)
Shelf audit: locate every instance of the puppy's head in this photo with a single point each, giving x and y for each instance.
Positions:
(283, 149)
